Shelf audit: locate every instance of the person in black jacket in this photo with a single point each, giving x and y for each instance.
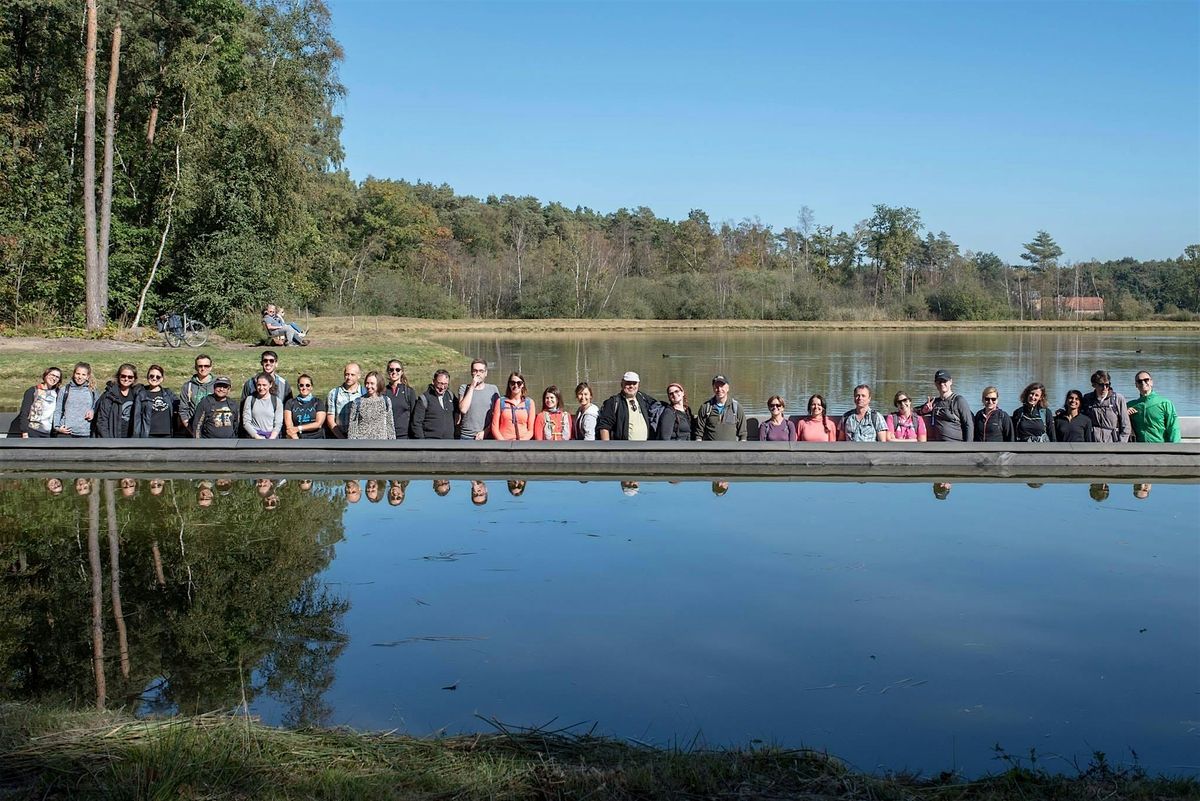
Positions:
(1070, 424)
(114, 410)
(402, 396)
(154, 406)
(992, 424)
(675, 416)
(1031, 421)
(616, 422)
(433, 414)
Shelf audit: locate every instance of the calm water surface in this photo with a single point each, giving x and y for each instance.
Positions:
(797, 364)
(892, 628)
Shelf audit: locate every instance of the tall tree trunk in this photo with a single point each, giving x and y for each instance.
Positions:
(97, 593)
(93, 310)
(114, 568)
(106, 182)
(162, 242)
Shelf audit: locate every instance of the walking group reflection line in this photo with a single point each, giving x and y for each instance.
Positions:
(394, 491)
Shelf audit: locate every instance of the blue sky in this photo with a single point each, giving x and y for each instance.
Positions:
(993, 119)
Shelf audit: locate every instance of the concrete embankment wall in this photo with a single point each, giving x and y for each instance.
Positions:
(395, 458)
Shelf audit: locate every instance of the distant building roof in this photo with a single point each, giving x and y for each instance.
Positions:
(1077, 303)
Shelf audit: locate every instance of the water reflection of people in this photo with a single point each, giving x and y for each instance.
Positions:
(516, 487)
(224, 486)
(1141, 491)
(374, 490)
(441, 487)
(629, 488)
(263, 486)
(205, 494)
(54, 486)
(83, 486)
(128, 487)
(271, 502)
(479, 493)
(305, 484)
(396, 492)
(941, 490)
(1098, 492)
(353, 492)
(719, 488)
(156, 485)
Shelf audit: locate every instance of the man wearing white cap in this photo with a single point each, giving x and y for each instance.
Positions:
(626, 415)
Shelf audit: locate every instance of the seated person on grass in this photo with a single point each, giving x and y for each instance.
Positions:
(276, 328)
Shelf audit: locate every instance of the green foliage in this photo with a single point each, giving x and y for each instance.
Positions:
(1042, 252)
(965, 301)
(404, 296)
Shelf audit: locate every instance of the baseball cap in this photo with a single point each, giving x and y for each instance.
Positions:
(631, 376)
(222, 379)
(720, 379)
(941, 375)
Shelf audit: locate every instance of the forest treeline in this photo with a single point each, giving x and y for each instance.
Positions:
(218, 154)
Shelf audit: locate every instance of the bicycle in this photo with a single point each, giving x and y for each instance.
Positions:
(179, 329)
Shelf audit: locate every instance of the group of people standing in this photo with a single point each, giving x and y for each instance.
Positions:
(382, 405)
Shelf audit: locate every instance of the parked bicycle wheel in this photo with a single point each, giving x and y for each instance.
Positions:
(195, 333)
(173, 337)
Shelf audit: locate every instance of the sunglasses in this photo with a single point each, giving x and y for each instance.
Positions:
(516, 383)
(1101, 384)
(1143, 380)
(902, 400)
(395, 369)
(154, 377)
(774, 405)
(990, 399)
(204, 366)
(268, 361)
(127, 376)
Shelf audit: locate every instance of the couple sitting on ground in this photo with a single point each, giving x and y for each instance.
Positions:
(279, 331)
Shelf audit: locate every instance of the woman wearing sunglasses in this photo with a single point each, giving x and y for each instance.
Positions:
(992, 424)
(904, 424)
(512, 415)
(114, 410)
(155, 407)
(675, 420)
(778, 428)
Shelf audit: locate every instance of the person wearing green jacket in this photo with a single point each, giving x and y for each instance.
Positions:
(1153, 416)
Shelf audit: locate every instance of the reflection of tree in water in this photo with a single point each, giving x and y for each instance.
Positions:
(216, 601)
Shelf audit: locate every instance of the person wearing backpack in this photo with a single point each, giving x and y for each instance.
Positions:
(949, 413)
(720, 418)
(76, 404)
(862, 423)
(1031, 421)
(512, 415)
(433, 415)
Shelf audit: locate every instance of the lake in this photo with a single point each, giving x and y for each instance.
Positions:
(897, 625)
(796, 364)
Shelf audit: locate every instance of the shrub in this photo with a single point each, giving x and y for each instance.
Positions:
(405, 296)
(965, 301)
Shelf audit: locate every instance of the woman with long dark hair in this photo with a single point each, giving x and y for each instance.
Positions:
(675, 422)
(816, 426)
(553, 422)
(36, 418)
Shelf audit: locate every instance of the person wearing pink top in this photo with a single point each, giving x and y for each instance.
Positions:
(553, 422)
(512, 415)
(904, 424)
(816, 425)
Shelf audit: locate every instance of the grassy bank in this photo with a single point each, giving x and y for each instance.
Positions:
(48, 754)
